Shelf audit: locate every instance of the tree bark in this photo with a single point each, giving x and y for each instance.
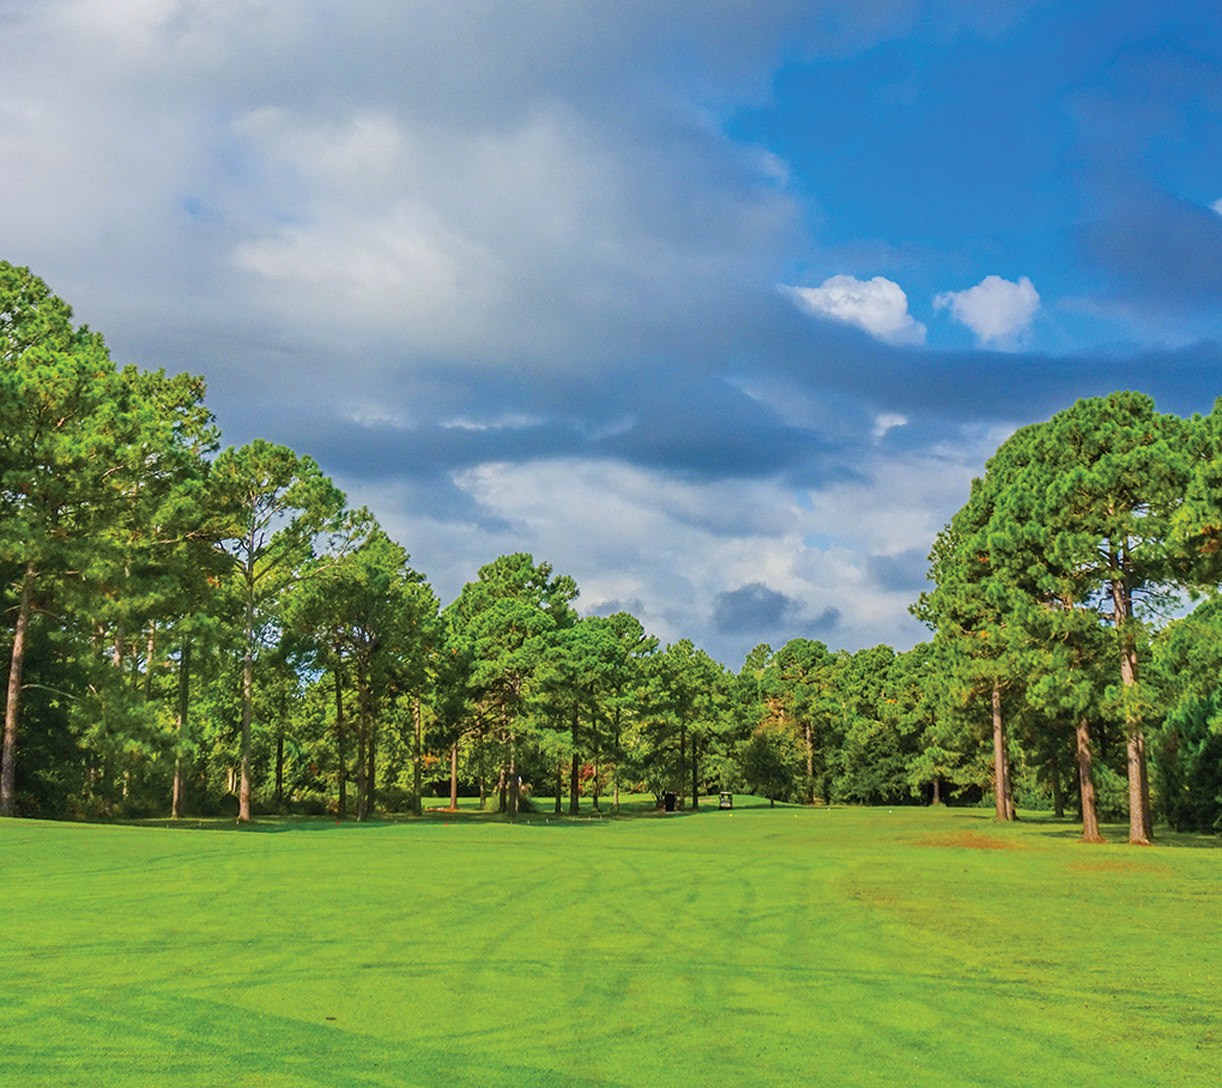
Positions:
(513, 775)
(417, 800)
(695, 777)
(1086, 784)
(574, 772)
(1141, 824)
(12, 707)
(454, 776)
(248, 702)
(342, 812)
(559, 786)
(682, 763)
(184, 708)
(361, 795)
(810, 766)
(1001, 771)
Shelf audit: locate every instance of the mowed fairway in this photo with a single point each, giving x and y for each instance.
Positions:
(766, 946)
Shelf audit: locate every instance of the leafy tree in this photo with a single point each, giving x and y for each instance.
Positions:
(274, 505)
(506, 619)
(801, 683)
(67, 420)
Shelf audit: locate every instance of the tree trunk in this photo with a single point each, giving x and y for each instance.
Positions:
(248, 707)
(184, 708)
(810, 766)
(1141, 824)
(1086, 784)
(1058, 794)
(483, 779)
(417, 755)
(937, 791)
(1001, 771)
(371, 779)
(454, 776)
(342, 811)
(682, 763)
(12, 708)
(695, 777)
(280, 764)
(559, 786)
(574, 772)
(361, 795)
(513, 776)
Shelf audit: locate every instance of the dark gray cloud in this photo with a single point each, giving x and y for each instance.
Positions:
(755, 609)
(1160, 252)
(899, 573)
(752, 607)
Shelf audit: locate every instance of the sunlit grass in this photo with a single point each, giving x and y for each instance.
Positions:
(756, 947)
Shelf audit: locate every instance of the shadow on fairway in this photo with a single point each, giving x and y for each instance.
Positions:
(465, 816)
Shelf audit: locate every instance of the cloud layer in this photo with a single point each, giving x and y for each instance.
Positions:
(509, 272)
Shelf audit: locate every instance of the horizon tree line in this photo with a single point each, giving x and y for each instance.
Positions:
(191, 628)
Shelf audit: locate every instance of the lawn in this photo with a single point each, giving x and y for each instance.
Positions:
(764, 946)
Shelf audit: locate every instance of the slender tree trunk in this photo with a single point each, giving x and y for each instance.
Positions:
(502, 791)
(513, 775)
(371, 780)
(483, 778)
(342, 812)
(362, 796)
(574, 772)
(810, 765)
(1141, 824)
(150, 651)
(184, 708)
(682, 763)
(280, 764)
(1058, 794)
(695, 777)
(454, 776)
(248, 707)
(1001, 772)
(559, 786)
(417, 800)
(1086, 784)
(12, 707)
(937, 791)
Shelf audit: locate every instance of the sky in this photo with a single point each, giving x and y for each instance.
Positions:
(716, 305)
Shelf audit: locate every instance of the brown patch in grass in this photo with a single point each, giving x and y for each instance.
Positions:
(1114, 867)
(971, 840)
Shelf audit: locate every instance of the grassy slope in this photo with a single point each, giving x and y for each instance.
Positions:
(763, 947)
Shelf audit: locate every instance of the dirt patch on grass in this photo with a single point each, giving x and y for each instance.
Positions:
(1115, 867)
(971, 840)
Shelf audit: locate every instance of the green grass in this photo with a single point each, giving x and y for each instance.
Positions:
(765, 946)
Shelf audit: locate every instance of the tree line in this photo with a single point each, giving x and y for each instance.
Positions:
(191, 629)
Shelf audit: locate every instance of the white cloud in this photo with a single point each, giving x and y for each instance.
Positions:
(878, 306)
(1217, 206)
(998, 311)
(887, 421)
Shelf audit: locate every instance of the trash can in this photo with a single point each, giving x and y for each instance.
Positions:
(668, 802)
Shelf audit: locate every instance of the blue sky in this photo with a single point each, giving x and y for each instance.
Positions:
(717, 306)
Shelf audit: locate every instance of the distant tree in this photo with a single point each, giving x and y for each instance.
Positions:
(506, 619)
